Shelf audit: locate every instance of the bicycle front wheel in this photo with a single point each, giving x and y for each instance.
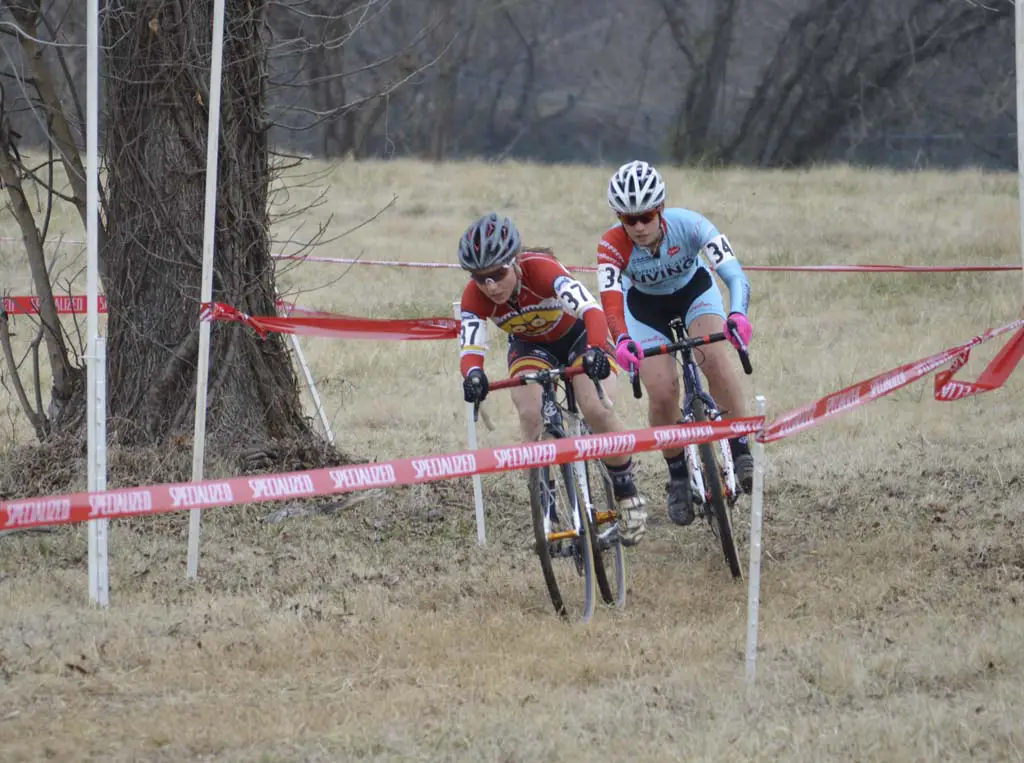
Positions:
(720, 515)
(563, 541)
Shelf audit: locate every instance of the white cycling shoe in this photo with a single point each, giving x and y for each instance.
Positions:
(632, 522)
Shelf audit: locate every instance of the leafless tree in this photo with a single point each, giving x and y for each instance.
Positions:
(157, 60)
(832, 61)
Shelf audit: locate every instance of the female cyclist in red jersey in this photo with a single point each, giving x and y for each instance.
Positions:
(552, 320)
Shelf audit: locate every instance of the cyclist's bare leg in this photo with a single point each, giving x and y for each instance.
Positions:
(661, 382)
(527, 400)
(632, 522)
(724, 382)
(599, 418)
(661, 379)
(719, 367)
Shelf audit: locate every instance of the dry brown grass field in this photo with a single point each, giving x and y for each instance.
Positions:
(892, 609)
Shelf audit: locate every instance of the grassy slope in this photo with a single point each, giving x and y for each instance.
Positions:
(893, 601)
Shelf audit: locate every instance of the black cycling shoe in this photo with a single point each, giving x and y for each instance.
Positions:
(743, 465)
(680, 502)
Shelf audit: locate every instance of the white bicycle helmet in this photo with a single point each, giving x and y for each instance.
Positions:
(636, 187)
(489, 242)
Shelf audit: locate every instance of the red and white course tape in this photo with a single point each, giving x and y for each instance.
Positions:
(66, 305)
(994, 376)
(157, 499)
(593, 269)
(316, 323)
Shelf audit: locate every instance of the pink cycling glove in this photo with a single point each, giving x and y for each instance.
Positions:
(743, 327)
(628, 353)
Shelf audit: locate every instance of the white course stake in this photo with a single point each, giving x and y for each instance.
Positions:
(99, 567)
(310, 383)
(754, 573)
(96, 356)
(478, 488)
(206, 289)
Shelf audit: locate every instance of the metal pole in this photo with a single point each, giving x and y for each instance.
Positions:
(102, 559)
(478, 487)
(96, 387)
(1019, 47)
(754, 576)
(206, 294)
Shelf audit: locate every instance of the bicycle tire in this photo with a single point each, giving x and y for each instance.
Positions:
(580, 558)
(613, 590)
(721, 515)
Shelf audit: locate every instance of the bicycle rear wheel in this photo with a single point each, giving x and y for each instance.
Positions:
(721, 514)
(563, 541)
(609, 558)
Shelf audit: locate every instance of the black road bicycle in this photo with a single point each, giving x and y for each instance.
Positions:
(573, 507)
(712, 476)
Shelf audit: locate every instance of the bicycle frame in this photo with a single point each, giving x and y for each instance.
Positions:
(694, 389)
(554, 425)
(716, 491)
(554, 416)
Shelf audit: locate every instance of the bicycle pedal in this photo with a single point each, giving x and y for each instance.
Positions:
(608, 539)
(559, 550)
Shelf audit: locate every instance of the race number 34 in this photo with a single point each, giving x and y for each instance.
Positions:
(719, 251)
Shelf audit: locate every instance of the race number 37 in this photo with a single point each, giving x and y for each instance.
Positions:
(718, 251)
(573, 294)
(474, 332)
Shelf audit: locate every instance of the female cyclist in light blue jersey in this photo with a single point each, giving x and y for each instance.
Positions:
(650, 271)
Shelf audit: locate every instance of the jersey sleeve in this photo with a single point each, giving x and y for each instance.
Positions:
(612, 259)
(473, 330)
(722, 259)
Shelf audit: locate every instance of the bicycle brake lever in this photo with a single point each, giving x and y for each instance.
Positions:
(634, 378)
(480, 413)
(741, 348)
(601, 396)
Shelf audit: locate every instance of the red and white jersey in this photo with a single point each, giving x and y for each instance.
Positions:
(547, 306)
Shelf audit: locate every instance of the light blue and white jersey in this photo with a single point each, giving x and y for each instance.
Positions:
(622, 265)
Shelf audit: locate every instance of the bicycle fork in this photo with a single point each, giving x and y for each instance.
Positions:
(554, 426)
(697, 483)
(604, 538)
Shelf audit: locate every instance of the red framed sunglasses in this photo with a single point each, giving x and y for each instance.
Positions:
(644, 217)
(491, 275)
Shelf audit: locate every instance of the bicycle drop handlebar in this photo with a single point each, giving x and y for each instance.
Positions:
(688, 344)
(544, 376)
(541, 376)
(550, 376)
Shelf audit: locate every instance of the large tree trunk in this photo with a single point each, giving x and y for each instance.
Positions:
(158, 59)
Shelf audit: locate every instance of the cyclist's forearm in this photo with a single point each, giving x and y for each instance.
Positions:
(615, 313)
(739, 287)
(469, 361)
(597, 327)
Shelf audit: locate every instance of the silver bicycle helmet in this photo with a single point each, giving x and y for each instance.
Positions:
(635, 187)
(489, 242)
